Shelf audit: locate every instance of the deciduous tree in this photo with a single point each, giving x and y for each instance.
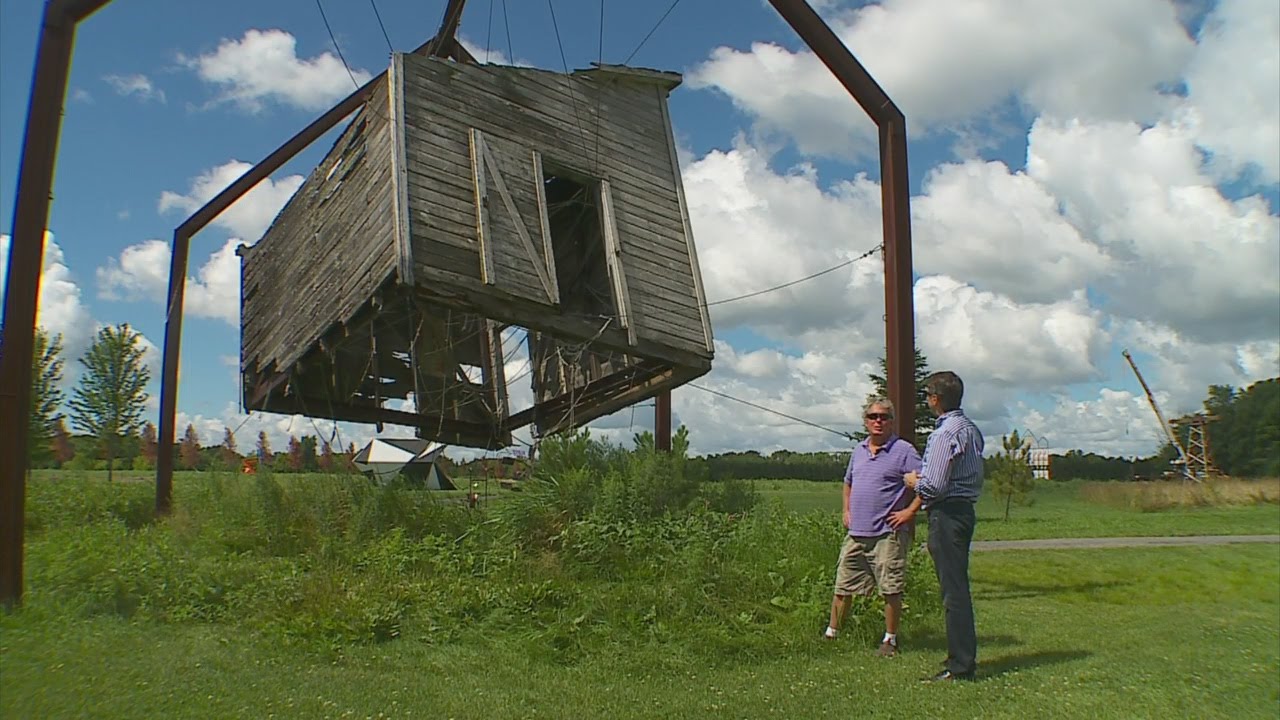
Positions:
(109, 400)
(46, 396)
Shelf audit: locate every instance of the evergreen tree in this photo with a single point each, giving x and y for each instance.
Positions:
(189, 449)
(295, 454)
(924, 420)
(230, 458)
(63, 449)
(148, 447)
(1009, 474)
(109, 401)
(326, 457)
(263, 449)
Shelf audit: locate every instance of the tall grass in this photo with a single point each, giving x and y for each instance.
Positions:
(604, 547)
(1157, 496)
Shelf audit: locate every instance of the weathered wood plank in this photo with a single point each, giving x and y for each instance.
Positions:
(551, 133)
(399, 170)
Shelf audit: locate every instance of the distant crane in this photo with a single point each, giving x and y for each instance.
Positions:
(1164, 425)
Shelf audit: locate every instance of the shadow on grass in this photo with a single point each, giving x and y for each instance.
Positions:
(988, 590)
(1013, 663)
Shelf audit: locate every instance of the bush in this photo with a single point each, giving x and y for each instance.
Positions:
(603, 548)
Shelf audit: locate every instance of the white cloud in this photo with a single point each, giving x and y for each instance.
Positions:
(80, 95)
(1233, 87)
(251, 215)
(1119, 423)
(988, 335)
(945, 63)
(1183, 368)
(1184, 255)
(263, 67)
(142, 273)
(59, 307)
(139, 86)
(756, 229)
(999, 230)
(493, 56)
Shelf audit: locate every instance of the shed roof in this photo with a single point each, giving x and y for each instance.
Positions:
(663, 78)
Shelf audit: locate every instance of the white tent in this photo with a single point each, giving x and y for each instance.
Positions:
(413, 458)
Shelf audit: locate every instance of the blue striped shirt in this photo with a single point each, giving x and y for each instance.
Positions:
(952, 466)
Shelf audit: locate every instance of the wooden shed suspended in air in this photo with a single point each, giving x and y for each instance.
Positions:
(463, 200)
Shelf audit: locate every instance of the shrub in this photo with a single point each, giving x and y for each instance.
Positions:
(603, 548)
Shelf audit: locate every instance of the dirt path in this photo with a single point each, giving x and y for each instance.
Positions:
(1114, 542)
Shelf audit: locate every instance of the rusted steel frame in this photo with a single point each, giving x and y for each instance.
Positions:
(26, 255)
(178, 276)
(662, 421)
(895, 192)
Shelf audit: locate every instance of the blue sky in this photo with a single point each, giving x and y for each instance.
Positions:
(1076, 189)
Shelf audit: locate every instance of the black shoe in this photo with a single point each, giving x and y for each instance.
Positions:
(948, 676)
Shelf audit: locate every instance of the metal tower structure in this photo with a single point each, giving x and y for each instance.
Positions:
(1199, 458)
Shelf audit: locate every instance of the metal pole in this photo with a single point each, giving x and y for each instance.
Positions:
(26, 254)
(662, 421)
(895, 192)
(899, 309)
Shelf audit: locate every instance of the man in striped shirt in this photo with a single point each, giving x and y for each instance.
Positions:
(949, 482)
(879, 517)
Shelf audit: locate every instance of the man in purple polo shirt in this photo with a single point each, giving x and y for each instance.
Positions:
(879, 514)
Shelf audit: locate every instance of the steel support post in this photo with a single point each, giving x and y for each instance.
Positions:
(26, 255)
(895, 191)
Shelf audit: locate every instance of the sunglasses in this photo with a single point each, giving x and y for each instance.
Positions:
(879, 416)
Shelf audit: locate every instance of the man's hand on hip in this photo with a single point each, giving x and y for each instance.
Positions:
(901, 518)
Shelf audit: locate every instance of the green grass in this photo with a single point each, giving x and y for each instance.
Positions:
(1152, 633)
(1057, 510)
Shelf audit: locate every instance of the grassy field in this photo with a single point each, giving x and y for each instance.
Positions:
(1071, 509)
(314, 597)
(1159, 633)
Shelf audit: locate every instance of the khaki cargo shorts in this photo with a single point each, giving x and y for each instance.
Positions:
(870, 562)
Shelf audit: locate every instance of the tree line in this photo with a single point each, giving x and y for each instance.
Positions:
(105, 411)
(107, 405)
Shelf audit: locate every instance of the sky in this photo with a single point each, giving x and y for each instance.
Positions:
(1086, 177)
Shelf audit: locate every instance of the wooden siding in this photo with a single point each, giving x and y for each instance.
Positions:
(331, 247)
(606, 128)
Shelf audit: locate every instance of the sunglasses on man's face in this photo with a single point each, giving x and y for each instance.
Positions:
(879, 416)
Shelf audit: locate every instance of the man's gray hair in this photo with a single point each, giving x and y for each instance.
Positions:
(880, 400)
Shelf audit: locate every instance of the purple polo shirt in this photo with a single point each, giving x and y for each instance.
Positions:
(875, 484)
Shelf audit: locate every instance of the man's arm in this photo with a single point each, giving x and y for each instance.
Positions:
(847, 518)
(906, 515)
